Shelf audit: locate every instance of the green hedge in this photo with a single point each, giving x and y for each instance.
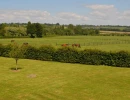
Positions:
(72, 55)
(5, 49)
(91, 57)
(121, 59)
(66, 54)
(46, 53)
(31, 52)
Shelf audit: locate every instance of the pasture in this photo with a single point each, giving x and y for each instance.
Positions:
(113, 32)
(105, 43)
(42, 80)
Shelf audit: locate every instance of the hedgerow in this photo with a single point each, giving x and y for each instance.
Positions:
(72, 55)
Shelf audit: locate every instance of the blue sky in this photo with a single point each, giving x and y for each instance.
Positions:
(96, 12)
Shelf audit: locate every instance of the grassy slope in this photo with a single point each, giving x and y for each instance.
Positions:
(42, 80)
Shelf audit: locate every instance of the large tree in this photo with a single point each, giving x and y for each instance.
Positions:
(31, 30)
(34, 29)
(39, 29)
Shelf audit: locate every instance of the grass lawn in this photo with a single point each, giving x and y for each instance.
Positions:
(42, 80)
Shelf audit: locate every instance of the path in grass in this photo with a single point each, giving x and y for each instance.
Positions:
(42, 80)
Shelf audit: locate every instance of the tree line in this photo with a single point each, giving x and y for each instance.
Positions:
(40, 30)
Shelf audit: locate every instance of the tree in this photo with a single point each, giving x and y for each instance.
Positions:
(71, 26)
(39, 30)
(16, 53)
(2, 29)
(97, 31)
(31, 29)
(78, 29)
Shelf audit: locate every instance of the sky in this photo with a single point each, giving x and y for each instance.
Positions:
(90, 12)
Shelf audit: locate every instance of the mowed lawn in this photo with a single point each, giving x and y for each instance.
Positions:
(105, 43)
(43, 80)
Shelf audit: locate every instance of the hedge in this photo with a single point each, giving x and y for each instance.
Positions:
(5, 49)
(46, 53)
(66, 54)
(72, 55)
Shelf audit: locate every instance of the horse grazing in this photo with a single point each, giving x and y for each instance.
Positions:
(65, 45)
(12, 41)
(76, 45)
(25, 43)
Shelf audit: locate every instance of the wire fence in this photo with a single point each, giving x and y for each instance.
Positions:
(98, 43)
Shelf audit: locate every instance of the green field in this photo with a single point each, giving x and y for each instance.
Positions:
(105, 43)
(42, 80)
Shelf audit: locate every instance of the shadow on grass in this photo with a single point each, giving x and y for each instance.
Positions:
(13, 68)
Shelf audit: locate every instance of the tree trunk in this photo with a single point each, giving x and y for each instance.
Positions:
(16, 63)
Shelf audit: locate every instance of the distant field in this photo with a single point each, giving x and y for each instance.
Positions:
(113, 32)
(105, 43)
(42, 80)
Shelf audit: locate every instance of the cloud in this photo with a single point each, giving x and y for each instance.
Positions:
(72, 16)
(23, 15)
(100, 7)
(40, 16)
(103, 12)
(98, 14)
(125, 15)
(108, 15)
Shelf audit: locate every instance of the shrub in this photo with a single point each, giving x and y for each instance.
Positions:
(66, 54)
(121, 59)
(91, 57)
(31, 52)
(5, 49)
(46, 52)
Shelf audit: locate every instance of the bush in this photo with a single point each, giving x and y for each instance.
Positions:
(5, 49)
(31, 52)
(106, 59)
(66, 54)
(46, 53)
(91, 57)
(121, 59)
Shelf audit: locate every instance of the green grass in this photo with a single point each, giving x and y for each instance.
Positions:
(105, 43)
(42, 80)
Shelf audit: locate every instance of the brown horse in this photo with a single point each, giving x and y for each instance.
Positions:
(76, 45)
(25, 43)
(12, 41)
(65, 45)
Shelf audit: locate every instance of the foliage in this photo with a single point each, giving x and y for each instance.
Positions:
(46, 52)
(2, 29)
(39, 29)
(16, 53)
(68, 55)
(31, 52)
(31, 29)
(90, 57)
(121, 59)
(4, 50)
